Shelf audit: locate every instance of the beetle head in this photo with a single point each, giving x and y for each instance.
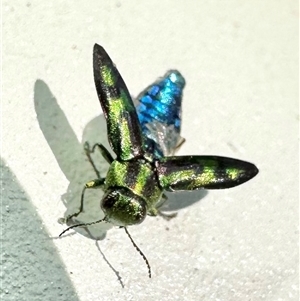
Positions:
(123, 208)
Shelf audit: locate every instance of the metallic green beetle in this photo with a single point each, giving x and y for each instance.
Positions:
(138, 176)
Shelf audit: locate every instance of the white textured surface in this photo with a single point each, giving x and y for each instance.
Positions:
(240, 62)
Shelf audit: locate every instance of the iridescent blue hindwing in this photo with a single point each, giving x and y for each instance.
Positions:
(159, 113)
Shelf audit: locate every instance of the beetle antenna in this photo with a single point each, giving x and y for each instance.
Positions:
(81, 225)
(139, 250)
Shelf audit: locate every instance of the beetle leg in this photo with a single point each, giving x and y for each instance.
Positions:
(167, 216)
(98, 183)
(155, 211)
(104, 152)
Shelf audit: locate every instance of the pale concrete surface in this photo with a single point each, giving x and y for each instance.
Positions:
(240, 62)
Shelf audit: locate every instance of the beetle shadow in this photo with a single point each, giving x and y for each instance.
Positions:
(182, 199)
(70, 156)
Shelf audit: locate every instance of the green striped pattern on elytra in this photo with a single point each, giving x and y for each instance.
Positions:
(195, 172)
(124, 133)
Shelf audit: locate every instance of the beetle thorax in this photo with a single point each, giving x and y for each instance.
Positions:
(137, 176)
